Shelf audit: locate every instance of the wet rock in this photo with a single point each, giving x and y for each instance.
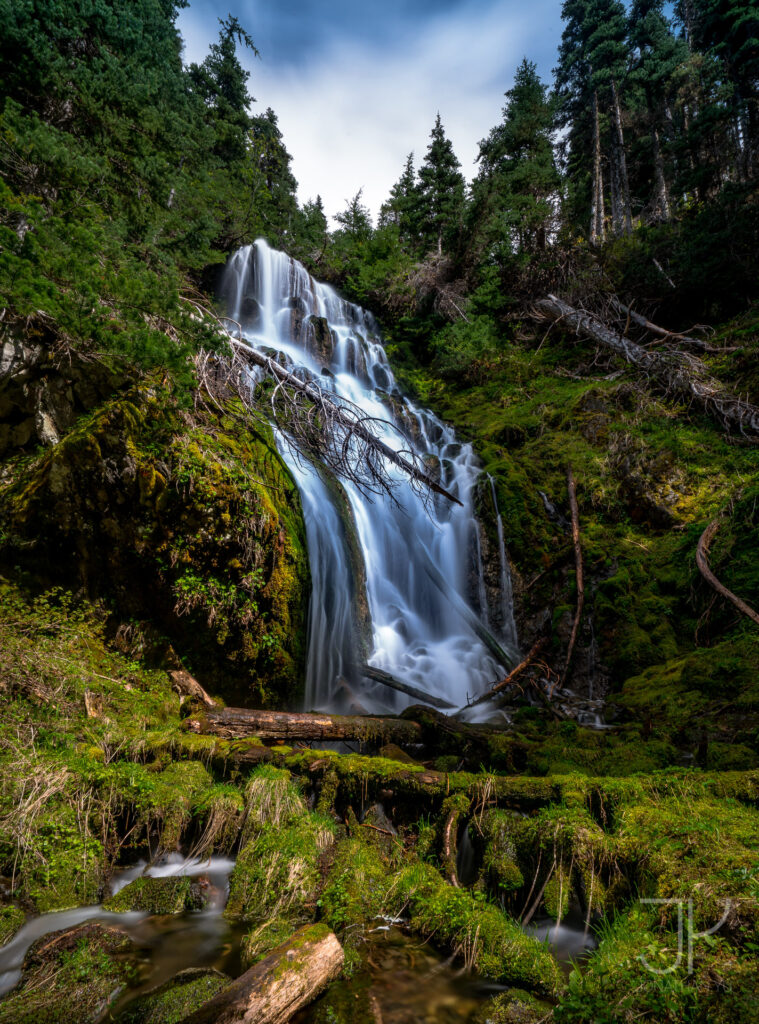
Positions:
(171, 895)
(321, 340)
(71, 976)
(177, 998)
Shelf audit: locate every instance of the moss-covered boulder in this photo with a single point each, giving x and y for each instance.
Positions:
(176, 999)
(160, 896)
(514, 1007)
(72, 976)
(189, 523)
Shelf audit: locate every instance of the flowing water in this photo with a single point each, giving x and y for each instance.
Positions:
(421, 568)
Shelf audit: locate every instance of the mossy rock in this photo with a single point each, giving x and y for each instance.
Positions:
(260, 941)
(193, 526)
(514, 1007)
(176, 999)
(277, 872)
(159, 896)
(72, 976)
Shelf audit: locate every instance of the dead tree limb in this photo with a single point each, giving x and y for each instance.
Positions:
(702, 561)
(380, 676)
(239, 723)
(682, 339)
(578, 571)
(274, 989)
(678, 372)
(511, 677)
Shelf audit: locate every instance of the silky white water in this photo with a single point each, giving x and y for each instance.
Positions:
(422, 569)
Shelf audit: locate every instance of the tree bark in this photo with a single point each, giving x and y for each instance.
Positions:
(238, 723)
(274, 989)
(702, 561)
(678, 372)
(662, 332)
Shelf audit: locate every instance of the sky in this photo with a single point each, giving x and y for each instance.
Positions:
(357, 85)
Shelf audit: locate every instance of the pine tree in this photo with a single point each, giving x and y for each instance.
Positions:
(403, 208)
(272, 183)
(518, 183)
(441, 192)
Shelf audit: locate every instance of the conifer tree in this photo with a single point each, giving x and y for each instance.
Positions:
(441, 191)
(518, 183)
(403, 206)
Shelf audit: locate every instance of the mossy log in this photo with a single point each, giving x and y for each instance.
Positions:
(239, 723)
(278, 986)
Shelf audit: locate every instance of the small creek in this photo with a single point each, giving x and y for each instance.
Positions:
(406, 981)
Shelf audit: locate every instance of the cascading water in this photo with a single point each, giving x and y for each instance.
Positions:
(419, 557)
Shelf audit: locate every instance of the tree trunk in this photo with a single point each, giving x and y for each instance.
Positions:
(597, 214)
(274, 989)
(662, 194)
(238, 723)
(621, 160)
(677, 372)
(572, 494)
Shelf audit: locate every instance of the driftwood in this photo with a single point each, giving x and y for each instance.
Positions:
(187, 686)
(702, 561)
(678, 372)
(239, 723)
(274, 989)
(532, 654)
(380, 676)
(571, 491)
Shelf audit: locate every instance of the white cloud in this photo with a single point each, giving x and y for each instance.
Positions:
(352, 113)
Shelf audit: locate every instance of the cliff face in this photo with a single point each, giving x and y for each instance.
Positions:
(185, 520)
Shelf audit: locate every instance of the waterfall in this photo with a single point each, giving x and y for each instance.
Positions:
(416, 553)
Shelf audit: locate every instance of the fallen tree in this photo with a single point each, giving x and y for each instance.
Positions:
(240, 723)
(274, 989)
(315, 422)
(378, 675)
(679, 373)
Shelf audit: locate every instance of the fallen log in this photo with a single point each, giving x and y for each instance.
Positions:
(274, 989)
(380, 676)
(239, 723)
(678, 372)
(702, 561)
(572, 493)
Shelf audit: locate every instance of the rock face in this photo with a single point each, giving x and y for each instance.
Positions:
(38, 402)
(189, 525)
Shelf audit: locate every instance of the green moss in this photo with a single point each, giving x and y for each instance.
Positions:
(11, 919)
(514, 1007)
(72, 976)
(176, 999)
(356, 885)
(158, 896)
(277, 871)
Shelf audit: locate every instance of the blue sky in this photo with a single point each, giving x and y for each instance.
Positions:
(357, 85)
